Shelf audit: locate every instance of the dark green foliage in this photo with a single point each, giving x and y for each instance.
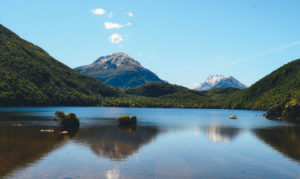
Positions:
(277, 88)
(220, 92)
(30, 76)
(156, 89)
(177, 100)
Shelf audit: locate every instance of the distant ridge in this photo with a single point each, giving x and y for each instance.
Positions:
(220, 81)
(119, 70)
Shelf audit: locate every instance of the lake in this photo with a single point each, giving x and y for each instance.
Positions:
(166, 143)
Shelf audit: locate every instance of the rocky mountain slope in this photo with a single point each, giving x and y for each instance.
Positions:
(119, 70)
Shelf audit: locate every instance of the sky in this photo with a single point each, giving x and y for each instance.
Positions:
(182, 41)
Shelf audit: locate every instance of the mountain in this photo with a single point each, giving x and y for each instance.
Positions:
(278, 88)
(119, 70)
(220, 81)
(30, 76)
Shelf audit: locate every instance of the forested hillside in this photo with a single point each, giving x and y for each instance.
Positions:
(30, 76)
(277, 88)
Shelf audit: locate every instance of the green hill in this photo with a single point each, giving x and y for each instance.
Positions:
(156, 90)
(30, 76)
(277, 88)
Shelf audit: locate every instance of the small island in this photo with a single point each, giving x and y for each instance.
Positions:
(67, 121)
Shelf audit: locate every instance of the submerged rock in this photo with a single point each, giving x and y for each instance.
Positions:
(64, 132)
(127, 120)
(67, 120)
(232, 117)
(47, 130)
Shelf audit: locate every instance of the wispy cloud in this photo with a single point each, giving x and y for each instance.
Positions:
(262, 53)
(111, 25)
(98, 11)
(218, 57)
(130, 14)
(116, 38)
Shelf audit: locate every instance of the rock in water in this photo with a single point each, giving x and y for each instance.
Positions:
(47, 130)
(127, 120)
(232, 117)
(67, 120)
(290, 112)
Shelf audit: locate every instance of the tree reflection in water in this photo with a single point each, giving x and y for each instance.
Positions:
(285, 139)
(23, 145)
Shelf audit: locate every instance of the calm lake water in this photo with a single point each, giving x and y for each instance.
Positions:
(166, 143)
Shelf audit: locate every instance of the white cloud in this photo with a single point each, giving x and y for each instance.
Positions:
(110, 14)
(110, 25)
(116, 38)
(98, 11)
(153, 55)
(130, 14)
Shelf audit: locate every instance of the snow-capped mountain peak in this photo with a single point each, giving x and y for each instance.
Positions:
(219, 81)
(216, 78)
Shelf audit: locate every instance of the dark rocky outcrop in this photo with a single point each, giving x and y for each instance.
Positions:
(127, 120)
(290, 112)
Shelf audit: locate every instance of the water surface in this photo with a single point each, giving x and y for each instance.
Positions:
(166, 143)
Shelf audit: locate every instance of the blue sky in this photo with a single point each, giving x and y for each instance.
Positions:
(182, 41)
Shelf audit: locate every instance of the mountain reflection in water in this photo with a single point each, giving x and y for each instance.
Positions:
(116, 142)
(286, 140)
(202, 143)
(217, 133)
